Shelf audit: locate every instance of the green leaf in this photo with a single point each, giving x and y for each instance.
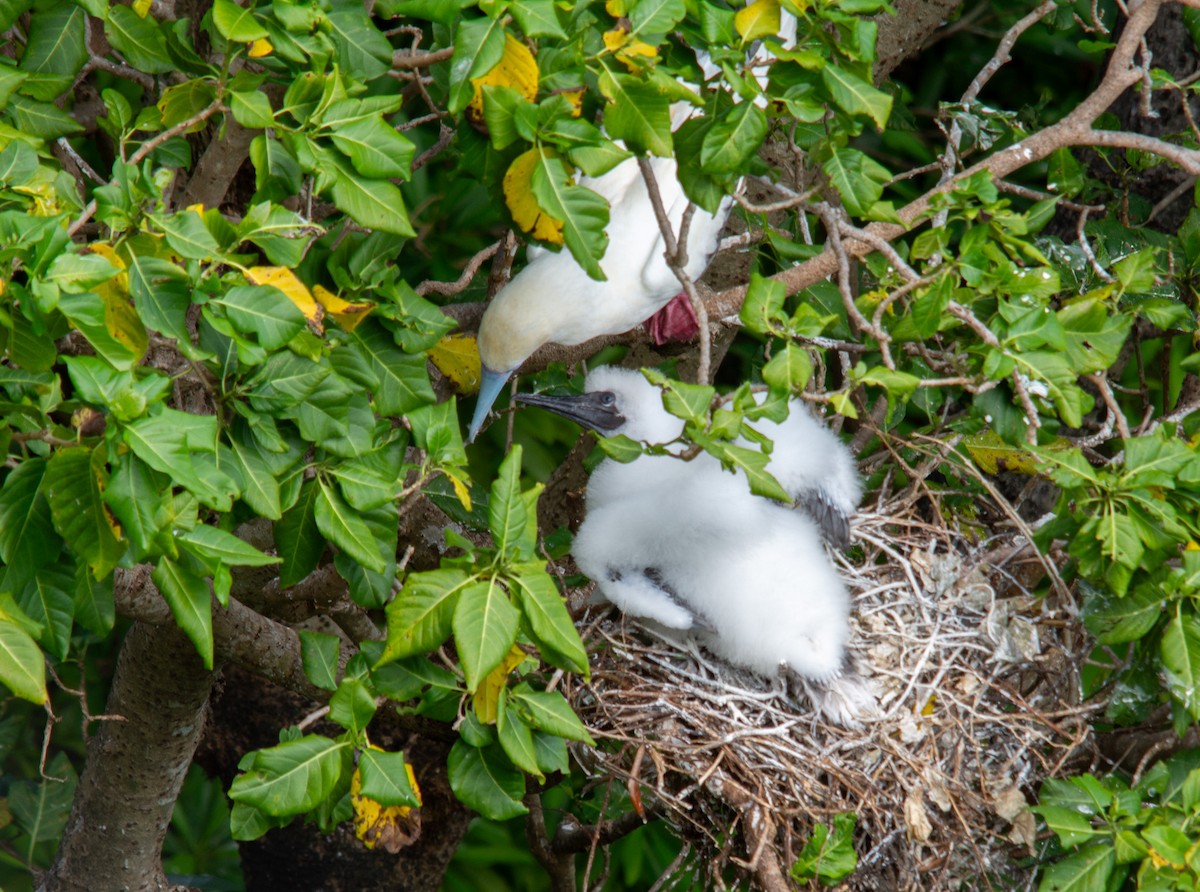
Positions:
(48, 599)
(55, 51)
(352, 706)
(478, 48)
(789, 369)
(650, 20)
(858, 178)
(636, 113)
(583, 213)
(166, 442)
(74, 478)
(516, 739)
(732, 141)
(293, 777)
(1072, 828)
(162, 293)
(1116, 620)
(319, 656)
(252, 109)
(188, 236)
(139, 40)
(483, 780)
(297, 538)
(538, 18)
(190, 600)
(856, 96)
(361, 48)
(95, 608)
(1119, 538)
(277, 174)
(762, 311)
(1170, 844)
(828, 856)
(337, 419)
(549, 711)
(373, 203)
(25, 521)
(419, 617)
(754, 465)
(549, 622)
(507, 517)
(345, 529)
(18, 163)
(43, 120)
(403, 378)
(485, 627)
(375, 148)
(260, 489)
(113, 329)
(621, 448)
(213, 544)
(1088, 870)
(1180, 651)
(551, 753)
(687, 401)
(22, 664)
(236, 23)
(264, 311)
(385, 779)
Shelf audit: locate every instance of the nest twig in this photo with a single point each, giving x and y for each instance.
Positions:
(979, 702)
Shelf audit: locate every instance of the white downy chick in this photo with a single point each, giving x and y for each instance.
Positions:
(687, 545)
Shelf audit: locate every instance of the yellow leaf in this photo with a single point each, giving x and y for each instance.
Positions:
(457, 357)
(460, 490)
(487, 695)
(518, 194)
(759, 19)
(630, 53)
(297, 292)
(929, 706)
(141, 7)
(617, 8)
(122, 320)
(575, 97)
(517, 69)
(348, 315)
(261, 47)
(391, 828)
(198, 208)
(121, 280)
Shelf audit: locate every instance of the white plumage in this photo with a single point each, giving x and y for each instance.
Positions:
(553, 301)
(687, 545)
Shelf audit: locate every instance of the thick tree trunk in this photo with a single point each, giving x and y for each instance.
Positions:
(135, 767)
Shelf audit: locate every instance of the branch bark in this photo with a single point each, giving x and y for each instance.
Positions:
(135, 767)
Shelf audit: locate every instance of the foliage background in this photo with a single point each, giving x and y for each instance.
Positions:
(218, 230)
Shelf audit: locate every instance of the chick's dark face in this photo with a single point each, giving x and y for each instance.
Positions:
(597, 410)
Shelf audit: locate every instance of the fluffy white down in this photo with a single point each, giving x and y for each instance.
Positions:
(753, 571)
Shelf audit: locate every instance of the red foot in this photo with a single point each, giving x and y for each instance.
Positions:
(674, 322)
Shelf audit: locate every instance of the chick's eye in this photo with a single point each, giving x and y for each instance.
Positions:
(607, 399)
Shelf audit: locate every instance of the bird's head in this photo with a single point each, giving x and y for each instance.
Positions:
(615, 401)
(517, 321)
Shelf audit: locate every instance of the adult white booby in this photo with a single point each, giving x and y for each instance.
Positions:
(554, 301)
(687, 545)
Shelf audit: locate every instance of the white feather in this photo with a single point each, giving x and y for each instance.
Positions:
(687, 545)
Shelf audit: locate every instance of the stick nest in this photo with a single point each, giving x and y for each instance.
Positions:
(977, 681)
